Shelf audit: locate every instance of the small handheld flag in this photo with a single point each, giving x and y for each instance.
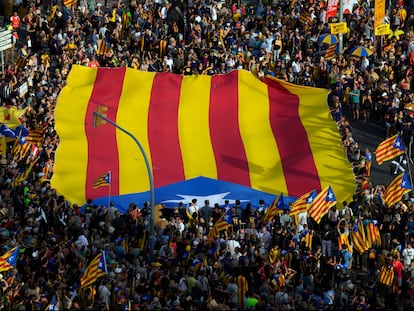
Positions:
(103, 180)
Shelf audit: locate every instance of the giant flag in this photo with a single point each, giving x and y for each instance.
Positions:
(396, 189)
(271, 136)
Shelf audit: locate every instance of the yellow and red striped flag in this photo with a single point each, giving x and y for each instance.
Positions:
(386, 276)
(322, 203)
(331, 51)
(103, 180)
(104, 48)
(225, 222)
(278, 205)
(270, 212)
(373, 234)
(358, 237)
(397, 188)
(34, 136)
(343, 239)
(306, 20)
(221, 135)
(95, 270)
(52, 14)
(69, 3)
(22, 176)
(302, 203)
(309, 239)
(389, 149)
(243, 288)
(8, 260)
(3, 145)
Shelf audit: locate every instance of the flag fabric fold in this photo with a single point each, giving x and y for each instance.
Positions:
(389, 149)
(225, 222)
(359, 240)
(3, 145)
(103, 180)
(8, 260)
(271, 212)
(103, 48)
(322, 203)
(331, 51)
(396, 189)
(6, 131)
(23, 174)
(11, 116)
(386, 276)
(53, 304)
(95, 270)
(306, 20)
(226, 142)
(302, 203)
(373, 234)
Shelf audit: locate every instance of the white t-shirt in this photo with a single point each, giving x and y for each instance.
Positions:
(408, 256)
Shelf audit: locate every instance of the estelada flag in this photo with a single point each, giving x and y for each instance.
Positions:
(396, 189)
(302, 203)
(320, 206)
(386, 275)
(389, 149)
(268, 135)
(359, 238)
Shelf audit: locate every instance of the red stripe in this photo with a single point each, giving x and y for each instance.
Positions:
(319, 203)
(163, 136)
(102, 144)
(230, 156)
(292, 140)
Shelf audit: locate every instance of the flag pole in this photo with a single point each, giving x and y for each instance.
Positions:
(408, 167)
(109, 190)
(150, 177)
(341, 19)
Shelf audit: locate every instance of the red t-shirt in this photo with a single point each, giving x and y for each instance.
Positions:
(398, 267)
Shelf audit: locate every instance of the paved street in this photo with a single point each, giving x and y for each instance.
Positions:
(369, 135)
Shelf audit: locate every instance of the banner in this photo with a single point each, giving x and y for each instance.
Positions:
(332, 8)
(337, 28)
(271, 136)
(382, 30)
(379, 12)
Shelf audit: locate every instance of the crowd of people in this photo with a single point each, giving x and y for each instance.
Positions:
(253, 264)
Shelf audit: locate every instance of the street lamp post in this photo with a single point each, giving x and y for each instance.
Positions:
(150, 177)
(341, 19)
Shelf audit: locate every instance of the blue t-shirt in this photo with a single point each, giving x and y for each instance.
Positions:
(346, 256)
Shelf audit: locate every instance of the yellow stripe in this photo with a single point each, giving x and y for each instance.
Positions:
(133, 116)
(75, 96)
(325, 141)
(193, 128)
(260, 145)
